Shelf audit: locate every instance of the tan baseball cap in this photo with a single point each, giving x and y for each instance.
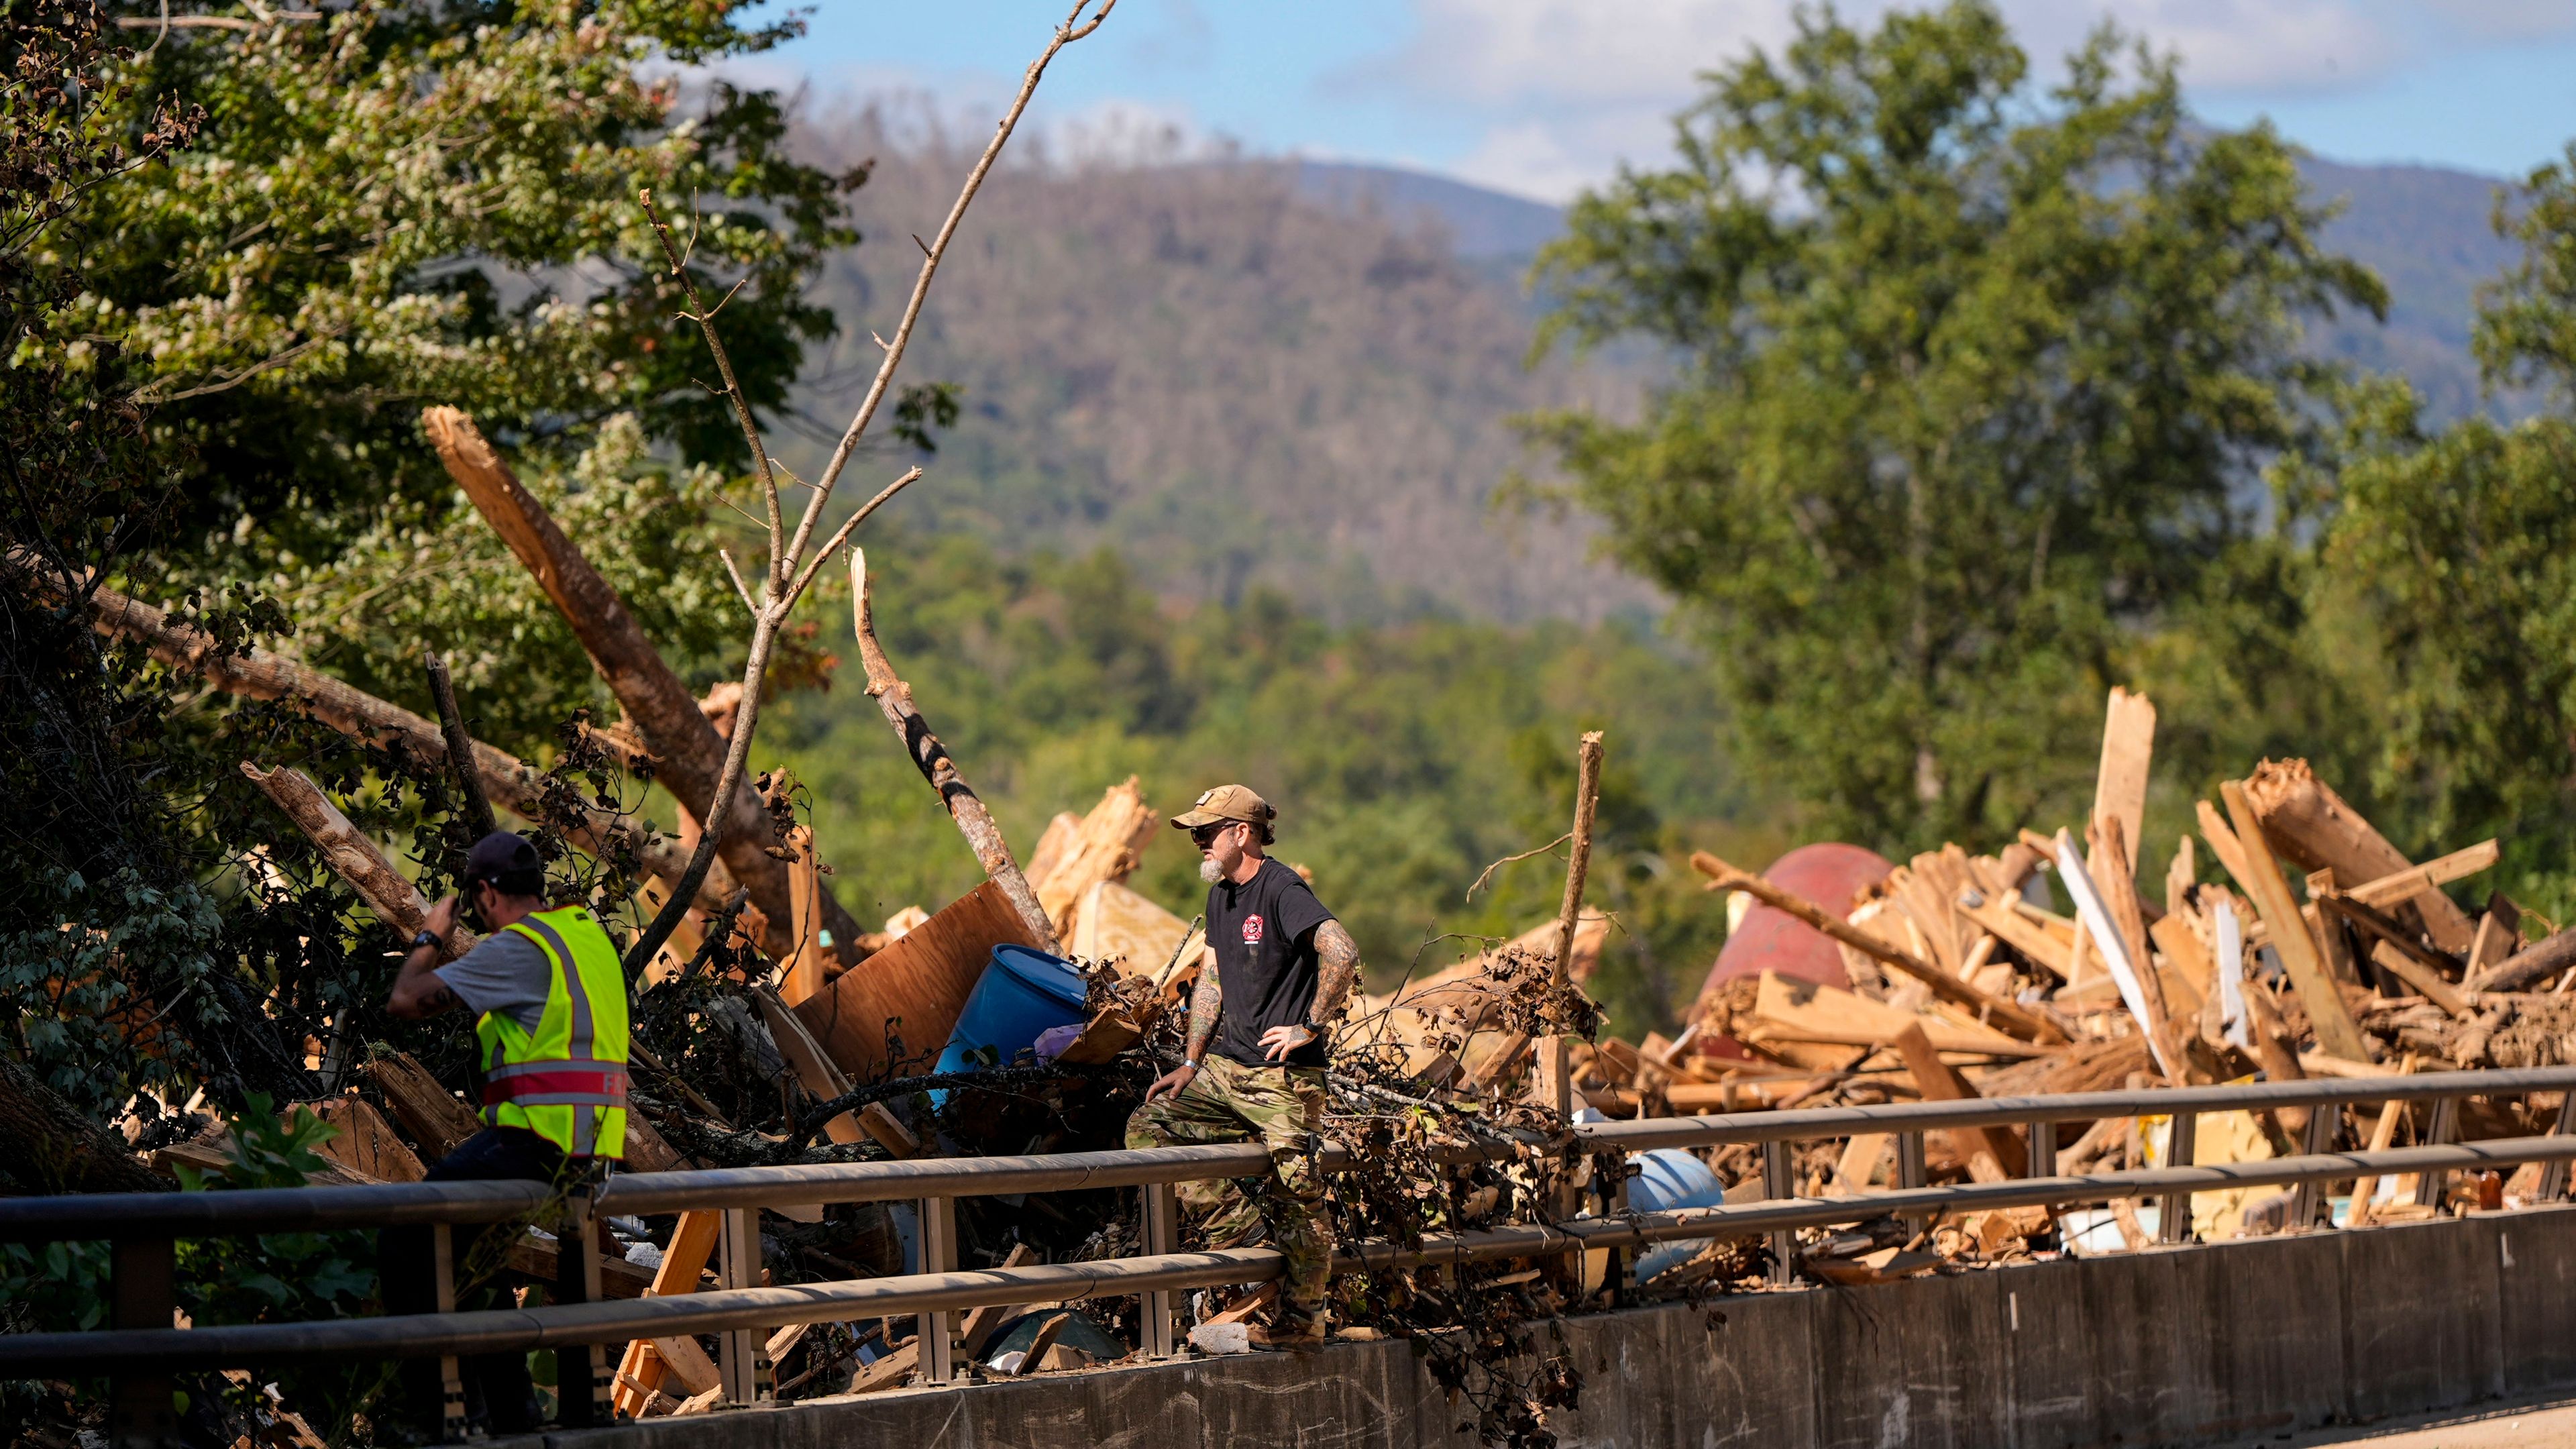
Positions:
(1226, 802)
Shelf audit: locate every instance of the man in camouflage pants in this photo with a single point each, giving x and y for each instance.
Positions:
(1254, 1056)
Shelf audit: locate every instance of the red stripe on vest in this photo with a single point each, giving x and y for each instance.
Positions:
(609, 1086)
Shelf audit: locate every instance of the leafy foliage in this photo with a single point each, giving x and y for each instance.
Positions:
(1977, 382)
(2456, 551)
(1403, 758)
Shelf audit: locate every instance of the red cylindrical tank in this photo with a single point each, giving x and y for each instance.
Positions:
(1770, 939)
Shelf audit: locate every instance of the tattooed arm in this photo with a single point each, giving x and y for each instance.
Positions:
(1207, 1001)
(1337, 959)
(1337, 965)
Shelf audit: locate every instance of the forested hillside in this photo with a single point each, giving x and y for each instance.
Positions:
(1225, 380)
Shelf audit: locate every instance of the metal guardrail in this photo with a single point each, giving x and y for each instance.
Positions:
(142, 1350)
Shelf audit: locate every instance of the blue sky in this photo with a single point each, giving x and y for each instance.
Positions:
(1542, 97)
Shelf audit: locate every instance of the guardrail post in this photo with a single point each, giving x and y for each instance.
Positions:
(2173, 1217)
(451, 1383)
(2323, 1123)
(2553, 1178)
(739, 1351)
(1162, 1234)
(1776, 1184)
(938, 1255)
(1611, 1175)
(2445, 1128)
(2042, 1156)
(581, 1399)
(143, 1289)
(1909, 1169)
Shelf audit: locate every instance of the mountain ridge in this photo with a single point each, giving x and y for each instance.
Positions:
(1302, 375)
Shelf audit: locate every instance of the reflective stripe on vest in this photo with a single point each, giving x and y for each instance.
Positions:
(566, 1081)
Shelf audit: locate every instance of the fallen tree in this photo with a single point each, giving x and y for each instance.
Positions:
(257, 673)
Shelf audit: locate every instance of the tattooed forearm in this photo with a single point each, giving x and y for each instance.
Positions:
(1205, 1000)
(1337, 961)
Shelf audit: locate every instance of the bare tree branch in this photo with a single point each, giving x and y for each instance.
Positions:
(791, 571)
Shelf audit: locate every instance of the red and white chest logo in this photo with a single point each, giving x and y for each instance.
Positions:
(1252, 929)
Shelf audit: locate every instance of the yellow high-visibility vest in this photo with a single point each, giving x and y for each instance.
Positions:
(566, 1082)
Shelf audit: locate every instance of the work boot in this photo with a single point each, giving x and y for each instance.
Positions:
(1297, 1332)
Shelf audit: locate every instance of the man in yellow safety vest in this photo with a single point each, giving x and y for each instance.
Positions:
(549, 997)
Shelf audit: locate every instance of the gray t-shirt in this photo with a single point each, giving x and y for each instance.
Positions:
(505, 972)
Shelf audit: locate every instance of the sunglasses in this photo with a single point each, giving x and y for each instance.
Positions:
(1200, 835)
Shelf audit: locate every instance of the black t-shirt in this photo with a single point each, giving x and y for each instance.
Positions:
(1264, 934)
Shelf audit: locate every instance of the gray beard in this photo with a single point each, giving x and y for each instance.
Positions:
(1209, 870)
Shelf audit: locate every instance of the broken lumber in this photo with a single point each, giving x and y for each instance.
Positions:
(688, 753)
(2120, 785)
(916, 986)
(256, 673)
(2530, 965)
(436, 1120)
(806, 1057)
(1993, 1009)
(1795, 1010)
(2308, 822)
(391, 895)
(1993, 1154)
(365, 1143)
(2263, 883)
(965, 807)
(684, 1264)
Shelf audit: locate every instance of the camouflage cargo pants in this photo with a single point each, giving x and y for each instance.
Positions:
(1283, 1107)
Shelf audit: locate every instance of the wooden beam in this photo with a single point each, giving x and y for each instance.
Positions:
(1992, 1154)
(2262, 882)
(2313, 825)
(2120, 785)
(1994, 1010)
(2405, 885)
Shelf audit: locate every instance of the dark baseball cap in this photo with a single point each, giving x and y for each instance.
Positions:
(502, 855)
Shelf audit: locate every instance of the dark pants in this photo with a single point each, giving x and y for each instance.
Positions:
(498, 1394)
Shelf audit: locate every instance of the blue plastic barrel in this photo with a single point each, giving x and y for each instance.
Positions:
(1669, 1178)
(1021, 993)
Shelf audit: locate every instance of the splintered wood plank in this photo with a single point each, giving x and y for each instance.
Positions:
(1985, 1005)
(2023, 934)
(1795, 1010)
(2180, 874)
(1993, 1154)
(2120, 786)
(2262, 881)
(2308, 822)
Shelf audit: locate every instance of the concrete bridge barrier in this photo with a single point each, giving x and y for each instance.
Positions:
(2225, 1343)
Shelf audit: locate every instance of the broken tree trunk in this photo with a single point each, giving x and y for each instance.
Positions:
(2308, 822)
(894, 700)
(1102, 847)
(1994, 1010)
(256, 673)
(394, 899)
(688, 753)
(49, 1145)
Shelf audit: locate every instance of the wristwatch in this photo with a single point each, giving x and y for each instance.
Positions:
(1190, 1062)
(426, 939)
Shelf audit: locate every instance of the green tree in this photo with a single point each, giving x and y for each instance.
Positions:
(2458, 550)
(397, 205)
(1976, 384)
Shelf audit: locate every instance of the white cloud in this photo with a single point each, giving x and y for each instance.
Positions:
(1573, 87)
